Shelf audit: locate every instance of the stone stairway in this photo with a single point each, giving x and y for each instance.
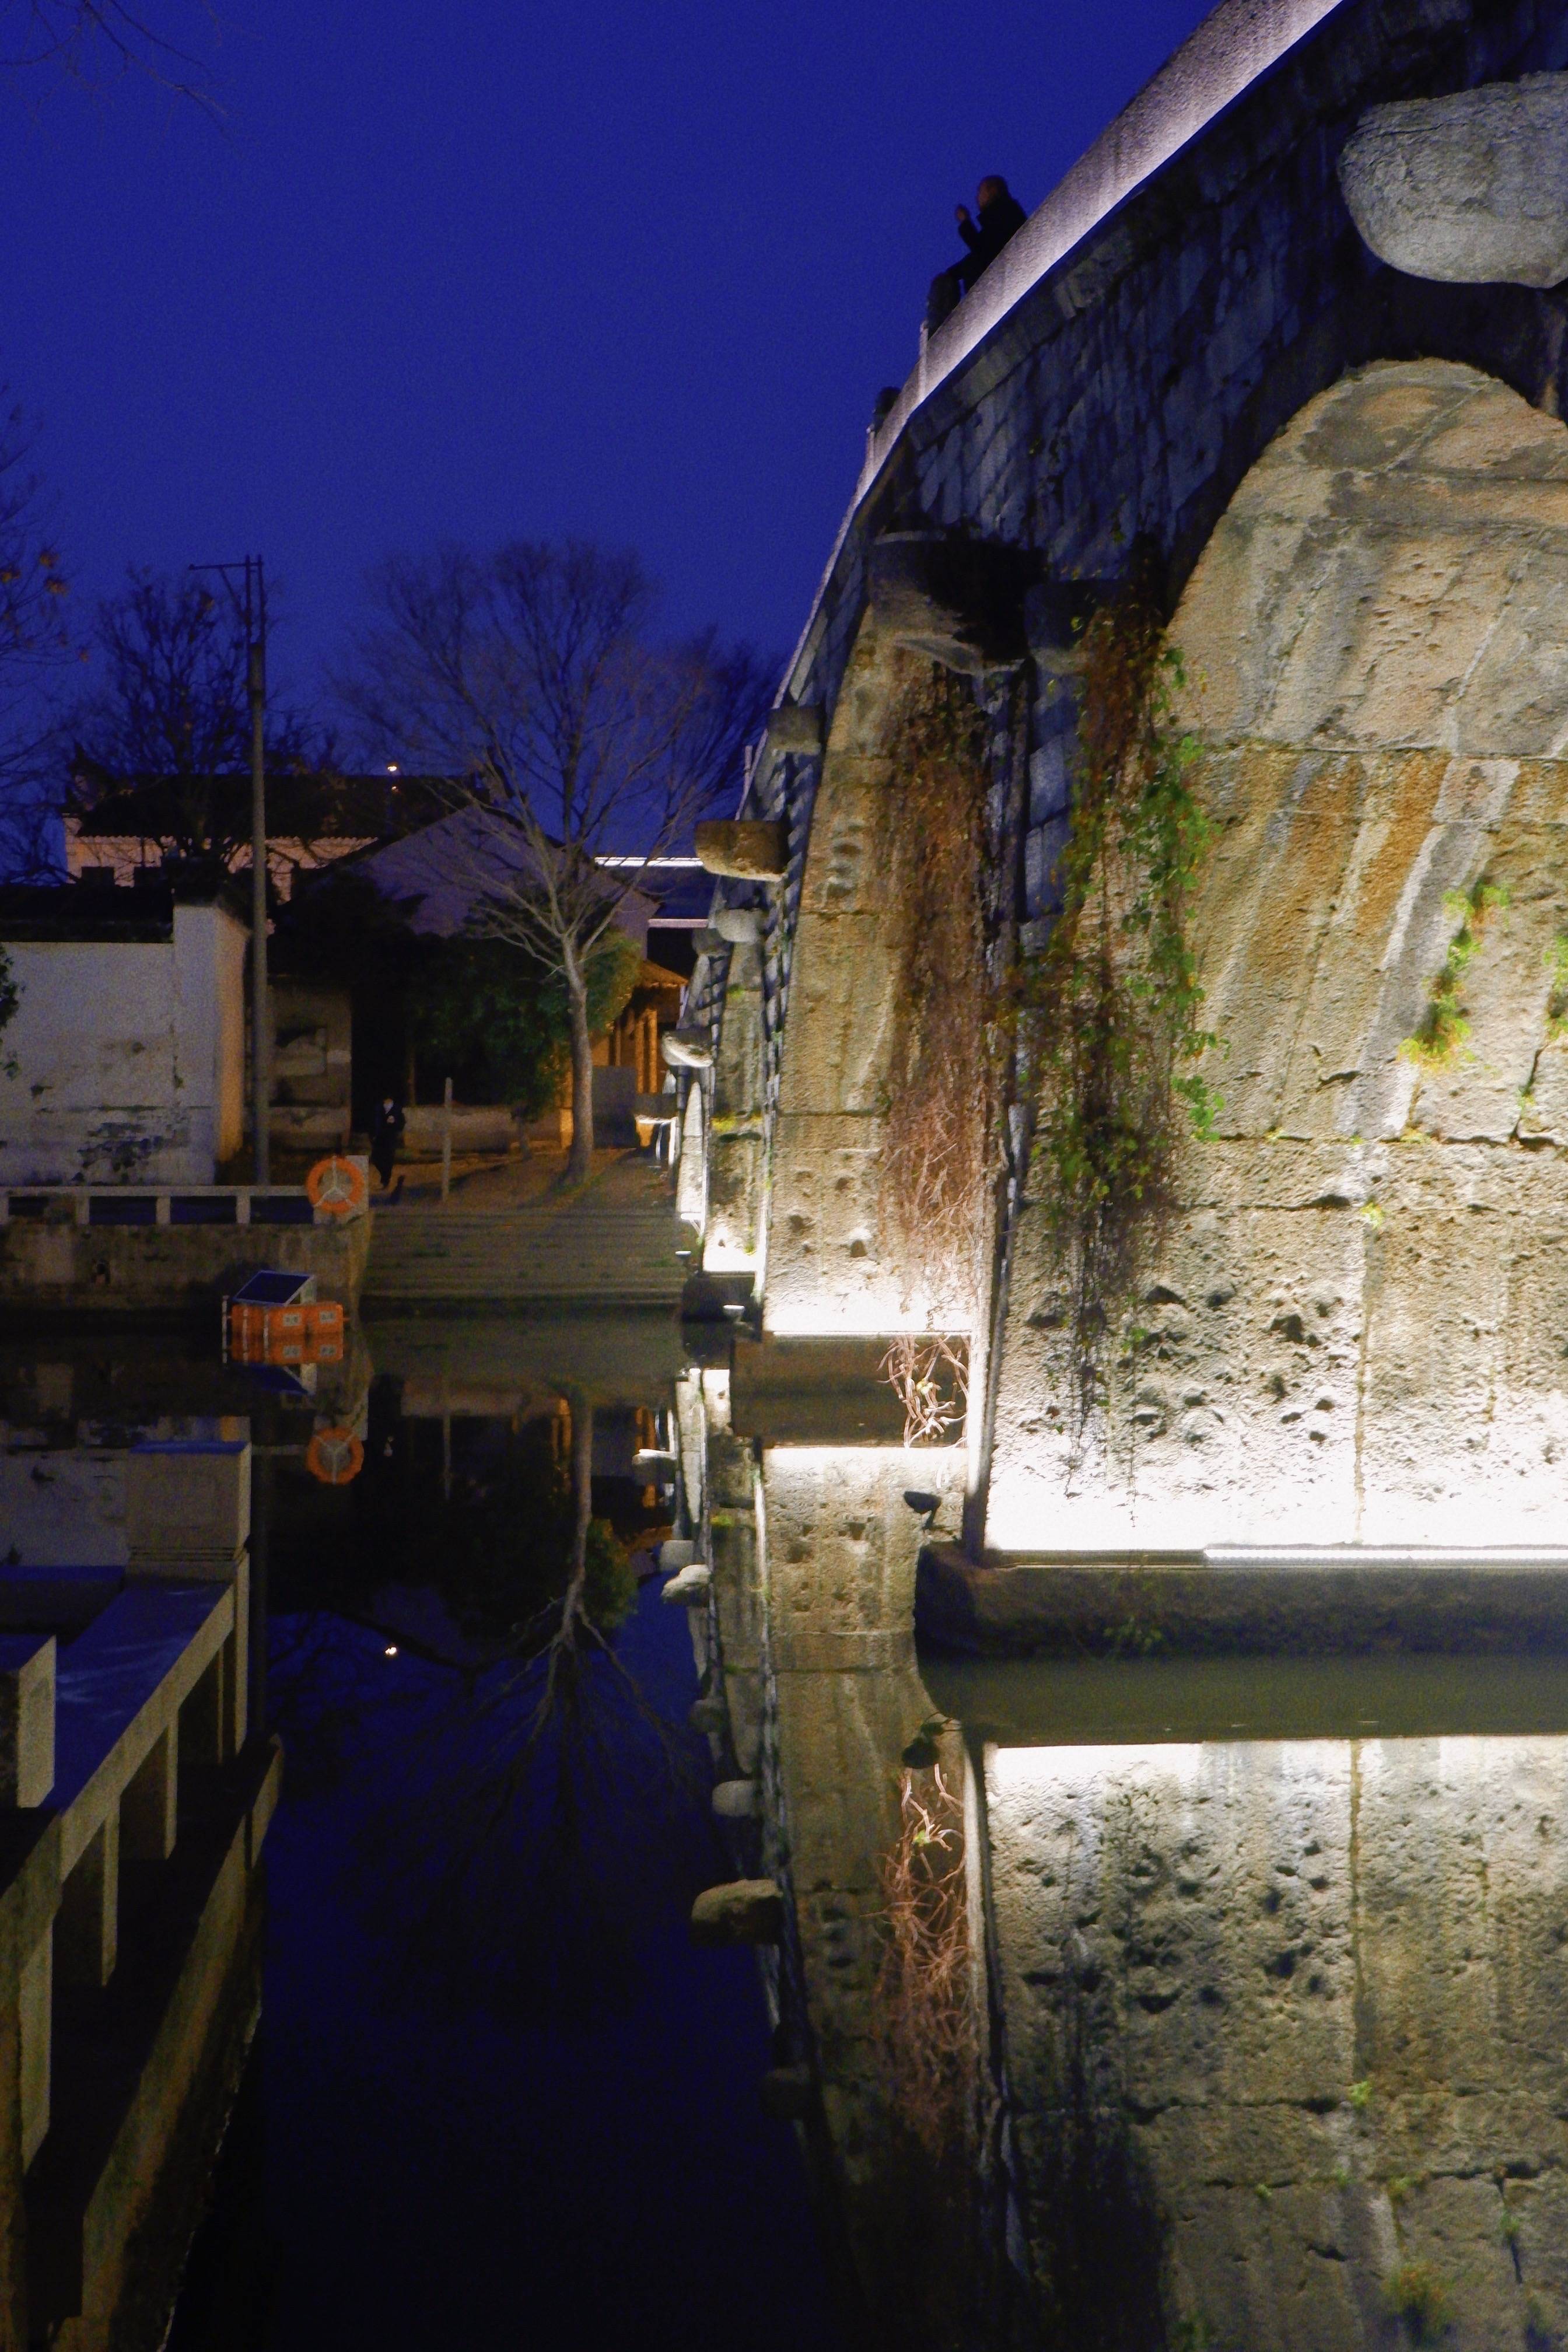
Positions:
(608, 1246)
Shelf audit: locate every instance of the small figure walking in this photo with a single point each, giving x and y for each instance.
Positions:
(1001, 217)
(385, 1138)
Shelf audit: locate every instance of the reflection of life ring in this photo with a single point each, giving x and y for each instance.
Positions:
(335, 1456)
(338, 1186)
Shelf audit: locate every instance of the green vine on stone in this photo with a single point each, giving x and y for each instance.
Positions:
(1444, 1025)
(1121, 1032)
(1557, 1002)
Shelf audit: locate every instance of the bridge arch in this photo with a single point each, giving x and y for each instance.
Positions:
(1358, 1326)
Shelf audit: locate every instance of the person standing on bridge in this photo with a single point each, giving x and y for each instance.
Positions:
(1001, 217)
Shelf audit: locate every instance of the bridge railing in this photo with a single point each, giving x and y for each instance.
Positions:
(161, 1204)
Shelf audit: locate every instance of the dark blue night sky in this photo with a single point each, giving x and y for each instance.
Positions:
(634, 272)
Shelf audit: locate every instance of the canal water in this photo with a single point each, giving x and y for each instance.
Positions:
(1115, 2003)
(496, 2092)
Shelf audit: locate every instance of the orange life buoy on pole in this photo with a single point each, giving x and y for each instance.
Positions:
(335, 1456)
(338, 1186)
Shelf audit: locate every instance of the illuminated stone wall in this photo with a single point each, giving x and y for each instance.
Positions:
(1295, 2008)
(1357, 1323)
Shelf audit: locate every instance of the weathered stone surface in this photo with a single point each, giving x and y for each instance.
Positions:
(691, 1172)
(690, 1588)
(825, 1263)
(1346, 1326)
(1244, 1932)
(745, 1911)
(795, 727)
(736, 1801)
(686, 1049)
(752, 849)
(741, 926)
(676, 1551)
(1472, 189)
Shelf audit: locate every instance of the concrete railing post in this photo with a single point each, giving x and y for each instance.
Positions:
(149, 1811)
(87, 1929)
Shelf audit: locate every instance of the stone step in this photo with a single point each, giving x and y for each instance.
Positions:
(597, 1251)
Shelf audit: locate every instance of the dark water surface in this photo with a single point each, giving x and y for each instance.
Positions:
(496, 2089)
(445, 2155)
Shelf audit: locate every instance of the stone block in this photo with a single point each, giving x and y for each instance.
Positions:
(709, 1714)
(737, 1800)
(1049, 787)
(1043, 847)
(686, 1049)
(950, 600)
(751, 849)
(187, 1502)
(27, 1719)
(794, 727)
(1472, 188)
(745, 1911)
(691, 1588)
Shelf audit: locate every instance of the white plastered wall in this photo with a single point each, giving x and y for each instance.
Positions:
(129, 1056)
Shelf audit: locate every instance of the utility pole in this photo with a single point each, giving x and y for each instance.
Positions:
(251, 603)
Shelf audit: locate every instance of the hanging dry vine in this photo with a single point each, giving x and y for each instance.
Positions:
(1121, 1034)
(925, 2009)
(938, 1114)
(929, 1374)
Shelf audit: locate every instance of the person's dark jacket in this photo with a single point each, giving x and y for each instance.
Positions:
(385, 1136)
(1001, 218)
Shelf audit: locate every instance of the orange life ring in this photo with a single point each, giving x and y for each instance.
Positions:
(335, 1456)
(338, 1185)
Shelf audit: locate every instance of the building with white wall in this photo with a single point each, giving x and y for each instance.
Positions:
(126, 1056)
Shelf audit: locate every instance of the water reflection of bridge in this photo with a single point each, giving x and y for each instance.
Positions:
(1268, 1956)
(1266, 2013)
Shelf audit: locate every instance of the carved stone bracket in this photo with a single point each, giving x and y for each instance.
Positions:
(958, 602)
(1471, 189)
(751, 849)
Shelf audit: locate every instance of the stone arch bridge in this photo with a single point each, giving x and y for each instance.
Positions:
(1295, 326)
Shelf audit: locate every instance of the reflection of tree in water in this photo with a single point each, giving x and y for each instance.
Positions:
(496, 1536)
(533, 1814)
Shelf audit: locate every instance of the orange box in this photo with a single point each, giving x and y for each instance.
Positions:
(311, 1333)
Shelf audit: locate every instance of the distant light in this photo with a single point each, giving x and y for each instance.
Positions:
(392, 1649)
(392, 768)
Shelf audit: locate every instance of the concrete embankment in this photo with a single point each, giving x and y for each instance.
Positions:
(63, 1269)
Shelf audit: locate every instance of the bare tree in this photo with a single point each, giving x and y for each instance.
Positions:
(35, 644)
(531, 677)
(167, 727)
(83, 38)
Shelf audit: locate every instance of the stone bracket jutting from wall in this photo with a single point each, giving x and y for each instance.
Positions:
(1471, 190)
